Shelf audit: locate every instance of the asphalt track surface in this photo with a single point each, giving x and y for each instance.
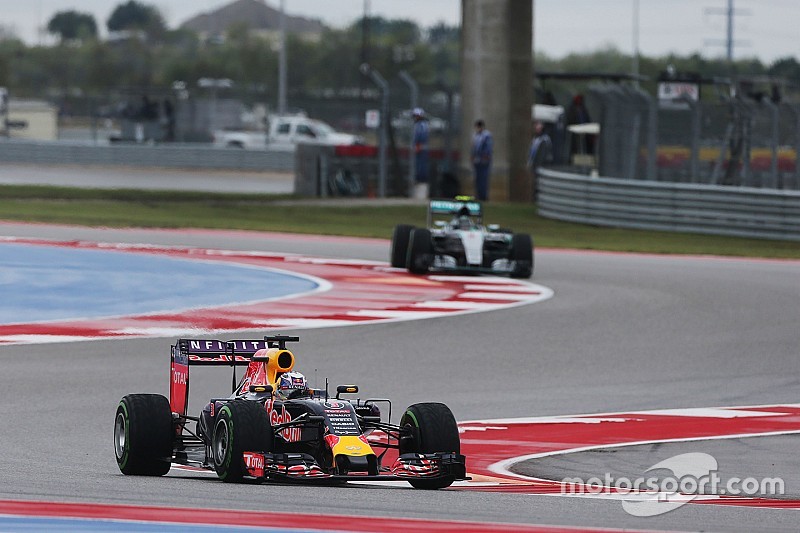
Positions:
(623, 332)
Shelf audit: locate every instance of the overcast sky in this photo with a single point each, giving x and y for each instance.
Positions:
(767, 28)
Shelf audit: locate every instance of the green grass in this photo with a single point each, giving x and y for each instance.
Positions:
(169, 209)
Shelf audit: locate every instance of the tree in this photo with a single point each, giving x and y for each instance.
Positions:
(71, 25)
(136, 16)
(441, 34)
(785, 67)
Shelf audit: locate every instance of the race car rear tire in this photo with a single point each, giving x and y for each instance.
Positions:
(420, 251)
(400, 238)
(522, 255)
(433, 429)
(240, 426)
(143, 434)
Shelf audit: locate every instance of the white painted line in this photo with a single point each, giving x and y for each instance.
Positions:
(228, 253)
(663, 498)
(616, 414)
(554, 420)
(704, 412)
(510, 288)
(42, 339)
(504, 467)
(497, 296)
(301, 322)
(382, 313)
(163, 332)
(478, 279)
(326, 261)
(452, 304)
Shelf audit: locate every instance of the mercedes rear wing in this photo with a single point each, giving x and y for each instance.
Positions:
(461, 205)
(207, 352)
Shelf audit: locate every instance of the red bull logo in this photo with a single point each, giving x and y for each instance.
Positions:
(282, 416)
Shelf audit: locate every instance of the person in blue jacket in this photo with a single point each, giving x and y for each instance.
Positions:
(421, 154)
(482, 159)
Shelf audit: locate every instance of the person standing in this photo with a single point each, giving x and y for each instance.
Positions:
(481, 159)
(421, 153)
(578, 114)
(540, 152)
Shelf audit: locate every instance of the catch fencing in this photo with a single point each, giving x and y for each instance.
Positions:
(738, 141)
(685, 207)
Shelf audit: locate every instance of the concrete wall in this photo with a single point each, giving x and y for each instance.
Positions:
(497, 86)
(186, 156)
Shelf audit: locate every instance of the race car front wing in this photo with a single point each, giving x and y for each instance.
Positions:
(301, 466)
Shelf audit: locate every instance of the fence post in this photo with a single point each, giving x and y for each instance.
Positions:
(414, 88)
(796, 147)
(747, 146)
(795, 110)
(323, 175)
(694, 161)
(774, 140)
(383, 85)
(652, 138)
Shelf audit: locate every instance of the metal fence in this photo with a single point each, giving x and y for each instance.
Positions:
(736, 141)
(329, 171)
(188, 156)
(693, 208)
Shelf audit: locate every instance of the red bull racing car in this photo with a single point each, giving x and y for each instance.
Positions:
(273, 426)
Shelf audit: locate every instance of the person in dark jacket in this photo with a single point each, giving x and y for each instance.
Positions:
(482, 147)
(421, 153)
(540, 152)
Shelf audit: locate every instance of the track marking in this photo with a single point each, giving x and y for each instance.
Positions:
(522, 439)
(350, 292)
(168, 518)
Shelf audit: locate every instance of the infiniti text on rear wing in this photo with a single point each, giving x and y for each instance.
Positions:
(213, 352)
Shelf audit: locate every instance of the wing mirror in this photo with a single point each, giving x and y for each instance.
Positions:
(260, 388)
(346, 389)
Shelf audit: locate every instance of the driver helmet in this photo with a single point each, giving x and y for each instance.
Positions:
(464, 222)
(292, 384)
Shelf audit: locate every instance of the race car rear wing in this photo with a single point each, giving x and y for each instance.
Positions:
(205, 352)
(461, 205)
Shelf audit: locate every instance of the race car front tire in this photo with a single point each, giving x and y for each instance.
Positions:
(420, 251)
(400, 238)
(522, 255)
(241, 426)
(432, 429)
(143, 434)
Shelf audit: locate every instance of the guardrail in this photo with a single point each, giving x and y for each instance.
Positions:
(187, 156)
(691, 208)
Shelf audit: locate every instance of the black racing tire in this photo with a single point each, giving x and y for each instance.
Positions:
(143, 434)
(420, 251)
(240, 426)
(521, 255)
(400, 238)
(433, 429)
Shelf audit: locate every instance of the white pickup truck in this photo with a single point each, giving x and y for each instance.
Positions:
(285, 132)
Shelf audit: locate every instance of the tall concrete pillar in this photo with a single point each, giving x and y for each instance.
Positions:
(497, 86)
